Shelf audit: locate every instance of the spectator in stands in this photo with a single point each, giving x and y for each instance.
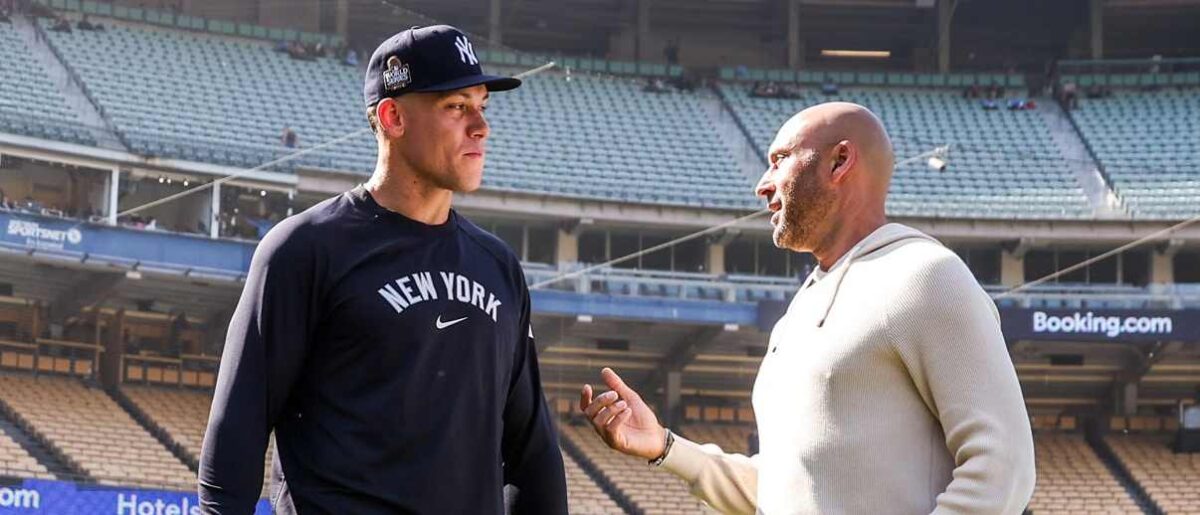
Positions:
(351, 58)
(765, 90)
(1188, 437)
(829, 87)
(656, 85)
(61, 24)
(4, 16)
(378, 404)
(887, 387)
(671, 52)
(295, 50)
(1070, 95)
(1016, 104)
(971, 92)
(789, 91)
(289, 138)
(86, 24)
(989, 104)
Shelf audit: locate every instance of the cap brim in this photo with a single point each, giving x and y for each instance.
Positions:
(493, 83)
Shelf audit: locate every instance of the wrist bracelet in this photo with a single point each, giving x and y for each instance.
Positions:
(657, 462)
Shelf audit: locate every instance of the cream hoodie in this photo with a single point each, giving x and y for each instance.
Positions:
(886, 388)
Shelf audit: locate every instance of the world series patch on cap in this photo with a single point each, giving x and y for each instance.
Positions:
(425, 59)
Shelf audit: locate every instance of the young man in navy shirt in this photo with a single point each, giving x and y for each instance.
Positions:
(382, 336)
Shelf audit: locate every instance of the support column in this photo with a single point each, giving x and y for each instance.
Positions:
(673, 399)
(715, 264)
(111, 360)
(214, 217)
(642, 37)
(1126, 397)
(795, 53)
(1096, 16)
(567, 249)
(1012, 269)
(1162, 270)
(945, 14)
(114, 188)
(495, 33)
(342, 20)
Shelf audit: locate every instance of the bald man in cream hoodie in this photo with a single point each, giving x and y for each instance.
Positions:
(886, 387)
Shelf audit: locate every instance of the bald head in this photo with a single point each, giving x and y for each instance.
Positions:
(830, 169)
(823, 126)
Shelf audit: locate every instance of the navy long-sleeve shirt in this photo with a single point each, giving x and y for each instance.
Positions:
(395, 362)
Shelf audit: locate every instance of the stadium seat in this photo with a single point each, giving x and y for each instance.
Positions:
(1170, 479)
(1002, 165)
(92, 431)
(1145, 142)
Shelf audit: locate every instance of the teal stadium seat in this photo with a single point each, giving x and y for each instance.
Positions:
(1147, 143)
(1003, 166)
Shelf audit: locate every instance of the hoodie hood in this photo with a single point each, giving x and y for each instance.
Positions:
(881, 238)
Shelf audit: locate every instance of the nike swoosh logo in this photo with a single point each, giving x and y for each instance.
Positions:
(442, 325)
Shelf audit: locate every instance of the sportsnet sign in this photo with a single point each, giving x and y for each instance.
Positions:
(1104, 325)
(41, 235)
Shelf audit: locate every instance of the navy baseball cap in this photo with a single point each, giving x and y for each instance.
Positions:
(435, 58)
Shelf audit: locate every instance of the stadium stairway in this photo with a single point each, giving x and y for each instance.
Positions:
(33, 447)
(1119, 471)
(737, 141)
(143, 419)
(574, 452)
(71, 89)
(1081, 162)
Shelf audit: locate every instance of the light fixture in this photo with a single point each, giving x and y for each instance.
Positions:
(185, 183)
(858, 54)
(262, 193)
(939, 158)
(161, 179)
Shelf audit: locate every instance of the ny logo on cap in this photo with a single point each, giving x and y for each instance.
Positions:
(397, 75)
(465, 51)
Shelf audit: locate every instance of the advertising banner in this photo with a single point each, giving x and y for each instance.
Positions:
(65, 498)
(1101, 325)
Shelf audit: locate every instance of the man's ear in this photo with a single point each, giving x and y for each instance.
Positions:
(845, 156)
(391, 117)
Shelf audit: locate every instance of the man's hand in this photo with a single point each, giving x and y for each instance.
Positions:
(622, 419)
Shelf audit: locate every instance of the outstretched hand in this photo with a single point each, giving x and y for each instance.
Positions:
(622, 419)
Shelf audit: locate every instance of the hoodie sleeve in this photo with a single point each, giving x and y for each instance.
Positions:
(727, 482)
(946, 330)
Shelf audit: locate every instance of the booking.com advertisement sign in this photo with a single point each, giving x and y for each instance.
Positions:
(1101, 325)
(65, 498)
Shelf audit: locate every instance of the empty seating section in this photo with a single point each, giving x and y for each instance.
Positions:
(1170, 479)
(1002, 164)
(730, 438)
(584, 497)
(30, 103)
(218, 99)
(15, 462)
(215, 99)
(183, 414)
(605, 138)
(1072, 479)
(651, 491)
(1147, 143)
(92, 432)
